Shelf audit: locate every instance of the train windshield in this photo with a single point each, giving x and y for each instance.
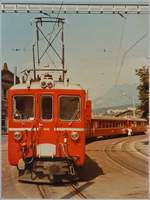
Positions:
(69, 108)
(23, 107)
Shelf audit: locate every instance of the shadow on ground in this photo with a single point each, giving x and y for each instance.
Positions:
(145, 142)
(90, 170)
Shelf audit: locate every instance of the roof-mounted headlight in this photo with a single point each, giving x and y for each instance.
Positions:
(43, 84)
(49, 84)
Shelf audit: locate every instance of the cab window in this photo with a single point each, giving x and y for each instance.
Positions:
(69, 108)
(23, 107)
(46, 107)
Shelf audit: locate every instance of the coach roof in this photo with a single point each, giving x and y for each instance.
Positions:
(56, 85)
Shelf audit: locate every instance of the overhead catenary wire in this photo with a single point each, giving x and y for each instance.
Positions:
(50, 40)
(120, 43)
(53, 29)
(125, 53)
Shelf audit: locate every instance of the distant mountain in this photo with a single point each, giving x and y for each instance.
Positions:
(125, 94)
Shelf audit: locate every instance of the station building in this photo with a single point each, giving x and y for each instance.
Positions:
(7, 78)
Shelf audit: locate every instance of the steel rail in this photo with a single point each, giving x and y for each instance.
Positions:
(141, 150)
(42, 191)
(78, 192)
(113, 154)
(140, 166)
(75, 8)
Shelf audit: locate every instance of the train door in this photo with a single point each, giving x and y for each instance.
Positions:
(46, 126)
(88, 118)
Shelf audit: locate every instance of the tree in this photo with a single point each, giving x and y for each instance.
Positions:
(143, 89)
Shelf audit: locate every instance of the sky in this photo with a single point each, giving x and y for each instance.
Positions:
(94, 47)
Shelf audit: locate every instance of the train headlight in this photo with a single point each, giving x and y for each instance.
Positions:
(75, 136)
(17, 135)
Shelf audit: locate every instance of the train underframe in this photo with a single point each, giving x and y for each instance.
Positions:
(47, 170)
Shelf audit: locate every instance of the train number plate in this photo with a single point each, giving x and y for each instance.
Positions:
(46, 150)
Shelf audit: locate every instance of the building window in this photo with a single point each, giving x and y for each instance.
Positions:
(4, 93)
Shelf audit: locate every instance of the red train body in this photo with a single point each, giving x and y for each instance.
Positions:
(51, 122)
(106, 126)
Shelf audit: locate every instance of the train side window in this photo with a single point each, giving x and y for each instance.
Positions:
(96, 124)
(106, 124)
(46, 107)
(23, 107)
(135, 124)
(99, 124)
(103, 124)
(121, 124)
(110, 124)
(113, 124)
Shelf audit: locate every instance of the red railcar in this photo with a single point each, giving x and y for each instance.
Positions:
(48, 123)
(106, 126)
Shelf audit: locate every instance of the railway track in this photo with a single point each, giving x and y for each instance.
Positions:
(143, 151)
(136, 163)
(114, 148)
(42, 191)
(73, 189)
(77, 192)
(121, 154)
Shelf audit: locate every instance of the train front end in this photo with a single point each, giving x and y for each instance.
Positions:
(46, 130)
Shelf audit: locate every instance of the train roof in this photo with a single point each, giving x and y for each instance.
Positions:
(56, 85)
(117, 118)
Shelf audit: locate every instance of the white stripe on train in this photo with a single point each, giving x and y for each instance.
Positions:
(47, 129)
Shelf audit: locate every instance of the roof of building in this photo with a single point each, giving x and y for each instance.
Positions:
(8, 76)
